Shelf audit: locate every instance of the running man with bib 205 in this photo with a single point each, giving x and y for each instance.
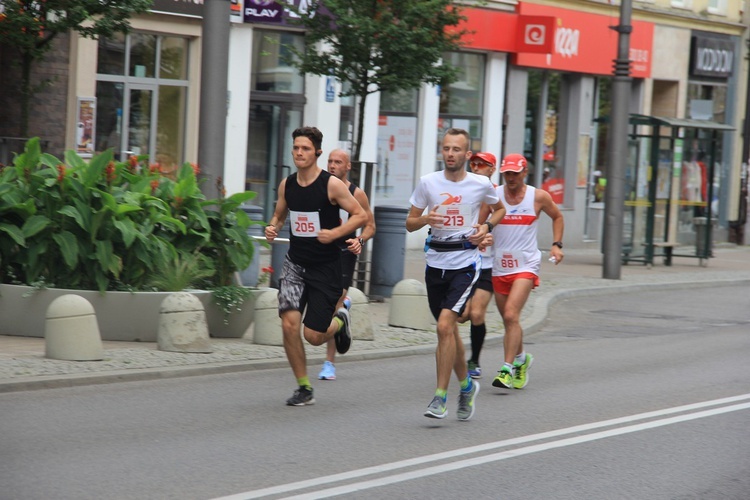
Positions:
(452, 198)
(310, 280)
(517, 259)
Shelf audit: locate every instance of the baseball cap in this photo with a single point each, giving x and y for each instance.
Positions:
(488, 157)
(513, 163)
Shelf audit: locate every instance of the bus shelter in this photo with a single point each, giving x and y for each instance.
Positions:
(670, 188)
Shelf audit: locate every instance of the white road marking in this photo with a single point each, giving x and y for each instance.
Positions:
(393, 466)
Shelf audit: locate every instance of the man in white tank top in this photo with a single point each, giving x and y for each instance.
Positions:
(515, 268)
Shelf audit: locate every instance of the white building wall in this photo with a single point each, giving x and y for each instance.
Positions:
(494, 107)
(238, 114)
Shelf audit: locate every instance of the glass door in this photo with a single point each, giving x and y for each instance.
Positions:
(140, 120)
(269, 150)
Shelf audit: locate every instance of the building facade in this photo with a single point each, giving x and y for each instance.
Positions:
(140, 94)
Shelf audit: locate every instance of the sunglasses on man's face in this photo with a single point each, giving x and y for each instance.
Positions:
(480, 164)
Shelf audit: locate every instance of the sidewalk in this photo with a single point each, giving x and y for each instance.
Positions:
(24, 367)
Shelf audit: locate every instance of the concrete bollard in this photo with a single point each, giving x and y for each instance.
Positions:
(71, 331)
(362, 327)
(409, 306)
(182, 325)
(267, 326)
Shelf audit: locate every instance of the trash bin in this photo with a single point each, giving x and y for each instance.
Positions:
(278, 253)
(250, 275)
(388, 250)
(703, 247)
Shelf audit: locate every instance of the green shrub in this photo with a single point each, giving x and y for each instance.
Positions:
(107, 225)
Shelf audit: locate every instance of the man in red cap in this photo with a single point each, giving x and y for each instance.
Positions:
(517, 258)
(481, 164)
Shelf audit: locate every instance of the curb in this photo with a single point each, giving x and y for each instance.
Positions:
(531, 325)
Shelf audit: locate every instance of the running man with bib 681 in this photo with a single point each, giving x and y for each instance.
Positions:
(517, 259)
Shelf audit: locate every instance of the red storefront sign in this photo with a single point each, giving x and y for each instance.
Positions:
(559, 39)
(585, 43)
(498, 31)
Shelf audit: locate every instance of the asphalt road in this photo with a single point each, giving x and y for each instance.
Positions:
(635, 395)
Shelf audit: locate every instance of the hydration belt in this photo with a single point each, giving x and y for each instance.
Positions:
(453, 246)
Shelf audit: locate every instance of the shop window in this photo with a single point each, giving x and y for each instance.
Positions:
(707, 102)
(541, 136)
(397, 147)
(718, 7)
(271, 70)
(142, 55)
(111, 55)
(461, 102)
(141, 111)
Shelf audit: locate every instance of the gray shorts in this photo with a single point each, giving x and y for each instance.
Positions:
(314, 290)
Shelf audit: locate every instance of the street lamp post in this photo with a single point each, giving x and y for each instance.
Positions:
(214, 98)
(614, 196)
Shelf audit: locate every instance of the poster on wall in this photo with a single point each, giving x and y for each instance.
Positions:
(394, 176)
(86, 126)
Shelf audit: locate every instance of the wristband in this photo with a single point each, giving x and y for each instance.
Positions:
(490, 226)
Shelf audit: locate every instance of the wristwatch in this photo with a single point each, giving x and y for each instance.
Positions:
(361, 242)
(558, 244)
(489, 226)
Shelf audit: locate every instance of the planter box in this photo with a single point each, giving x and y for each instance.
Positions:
(124, 316)
(237, 323)
(121, 315)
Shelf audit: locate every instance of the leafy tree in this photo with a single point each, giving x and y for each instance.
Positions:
(378, 45)
(30, 26)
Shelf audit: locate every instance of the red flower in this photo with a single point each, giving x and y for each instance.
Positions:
(60, 173)
(109, 172)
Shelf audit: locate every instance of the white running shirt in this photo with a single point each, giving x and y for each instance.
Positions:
(459, 203)
(515, 244)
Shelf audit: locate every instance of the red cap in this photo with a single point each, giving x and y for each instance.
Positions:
(488, 157)
(513, 163)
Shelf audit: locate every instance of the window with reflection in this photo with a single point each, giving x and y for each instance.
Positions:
(271, 71)
(462, 101)
(141, 93)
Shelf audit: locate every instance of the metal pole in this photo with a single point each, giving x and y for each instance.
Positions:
(214, 97)
(617, 149)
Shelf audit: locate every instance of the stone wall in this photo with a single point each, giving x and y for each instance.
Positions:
(48, 110)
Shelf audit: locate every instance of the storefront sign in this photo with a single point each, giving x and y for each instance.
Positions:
(270, 12)
(535, 34)
(711, 56)
(585, 43)
(188, 8)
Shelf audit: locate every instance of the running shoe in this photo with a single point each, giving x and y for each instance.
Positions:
(466, 404)
(504, 379)
(301, 397)
(521, 377)
(437, 408)
(343, 337)
(475, 371)
(328, 372)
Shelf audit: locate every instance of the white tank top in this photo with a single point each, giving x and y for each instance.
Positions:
(515, 245)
